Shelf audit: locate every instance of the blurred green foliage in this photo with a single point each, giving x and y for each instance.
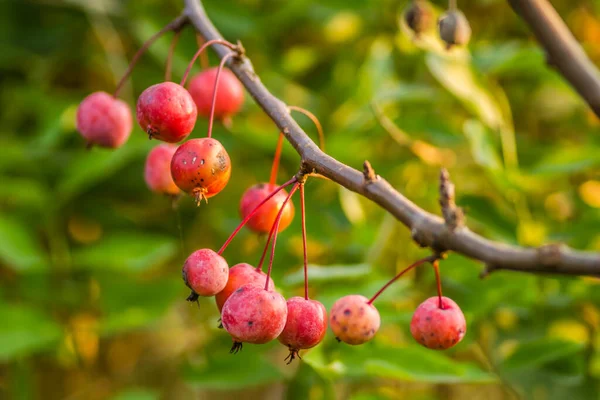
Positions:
(91, 299)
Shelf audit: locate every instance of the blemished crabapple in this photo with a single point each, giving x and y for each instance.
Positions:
(157, 171)
(353, 320)
(438, 328)
(240, 275)
(254, 315)
(305, 326)
(201, 167)
(103, 120)
(205, 272)
(263, 219)
(230, 93)
(166, 112)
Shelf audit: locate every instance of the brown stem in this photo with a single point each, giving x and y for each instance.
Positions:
(438, 281)
(200, 51)
(304, 246)
(170, 55)
(315, 120)
(276, 158)
(427, 229)
(204, 64)
(215, 90)
(174, 25)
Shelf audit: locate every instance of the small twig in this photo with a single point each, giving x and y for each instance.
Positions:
(369, 172)
(453, 215)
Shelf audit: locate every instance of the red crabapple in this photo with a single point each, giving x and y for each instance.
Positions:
(305, 327)
(438, 328)
(201, 167)
(205, 272)
(157, 172)
(240, 275)
(353, 320)
(104, 120)
(263, 219)
(253, 315)
(230, 93)
(167, 112)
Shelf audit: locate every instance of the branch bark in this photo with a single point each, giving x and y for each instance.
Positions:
(562, 49)
(427, 230)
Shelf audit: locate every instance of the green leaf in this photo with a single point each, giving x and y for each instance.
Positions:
(25, 330)
(18, 246)
(249, 369)
(539, 352)
(482, 146)
(320, 273)
(134, 252)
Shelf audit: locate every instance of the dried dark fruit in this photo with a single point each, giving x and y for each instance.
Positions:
(419, 16)
(454, 28)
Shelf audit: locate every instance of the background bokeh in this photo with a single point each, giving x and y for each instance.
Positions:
(92, 305)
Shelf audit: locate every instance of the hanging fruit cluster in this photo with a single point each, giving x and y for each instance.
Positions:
(252, 311)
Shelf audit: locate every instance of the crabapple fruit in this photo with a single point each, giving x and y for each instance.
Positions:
(353, 320)
(240, 275)
(305, 326)
(201, 167)
(205, 272)
(265, 216)
(157, 171)
(454, 28)
(438, 328)
(253, 315)
(104, 120)
(167, 112)
(230, 93)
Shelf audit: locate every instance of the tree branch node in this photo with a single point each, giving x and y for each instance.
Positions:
(369, 173)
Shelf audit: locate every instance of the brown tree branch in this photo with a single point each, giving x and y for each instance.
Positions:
(562, 49)
(427, 230)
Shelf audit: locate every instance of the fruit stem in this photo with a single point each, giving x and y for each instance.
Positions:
(170, 55)
(245, 220)
(174, 25)
(303, 215)
(452, 5)
(275, 228)
(431, 259)
(204, 64)
(215, 89)
(276, 158)
(315, 120)
(200, 50)
(438, 280)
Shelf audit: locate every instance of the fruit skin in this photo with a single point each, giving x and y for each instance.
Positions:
(438, 328)
(454, 28)
(263, 220)
(305, 326)
(167, 112)
(254, 315)
(201, 167)
(240, 275)
(353, 320)
(103, 120)
(230, 94)
(205, 272)
(157, 171)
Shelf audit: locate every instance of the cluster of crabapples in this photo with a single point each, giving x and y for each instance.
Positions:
(252, 310)
(453, 26)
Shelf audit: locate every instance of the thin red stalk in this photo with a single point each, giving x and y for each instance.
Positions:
(170, 55)
(204, 64)
(439, 282)
(176, 24)
(276, 158)
(264, 253)
(200, 50)
(245, 220)
(303, 215)
(275, 229)
(415, 264)
(315, 120)
(215, 90)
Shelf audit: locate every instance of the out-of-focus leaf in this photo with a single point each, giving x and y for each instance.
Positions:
(23, 193)
(137, 394)
(250, 369)
(18, 246)
(133, 252)
(25, 330)
(351, 205)
(482, 147)
(536, 353)
(319, 273)
(566, 160)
